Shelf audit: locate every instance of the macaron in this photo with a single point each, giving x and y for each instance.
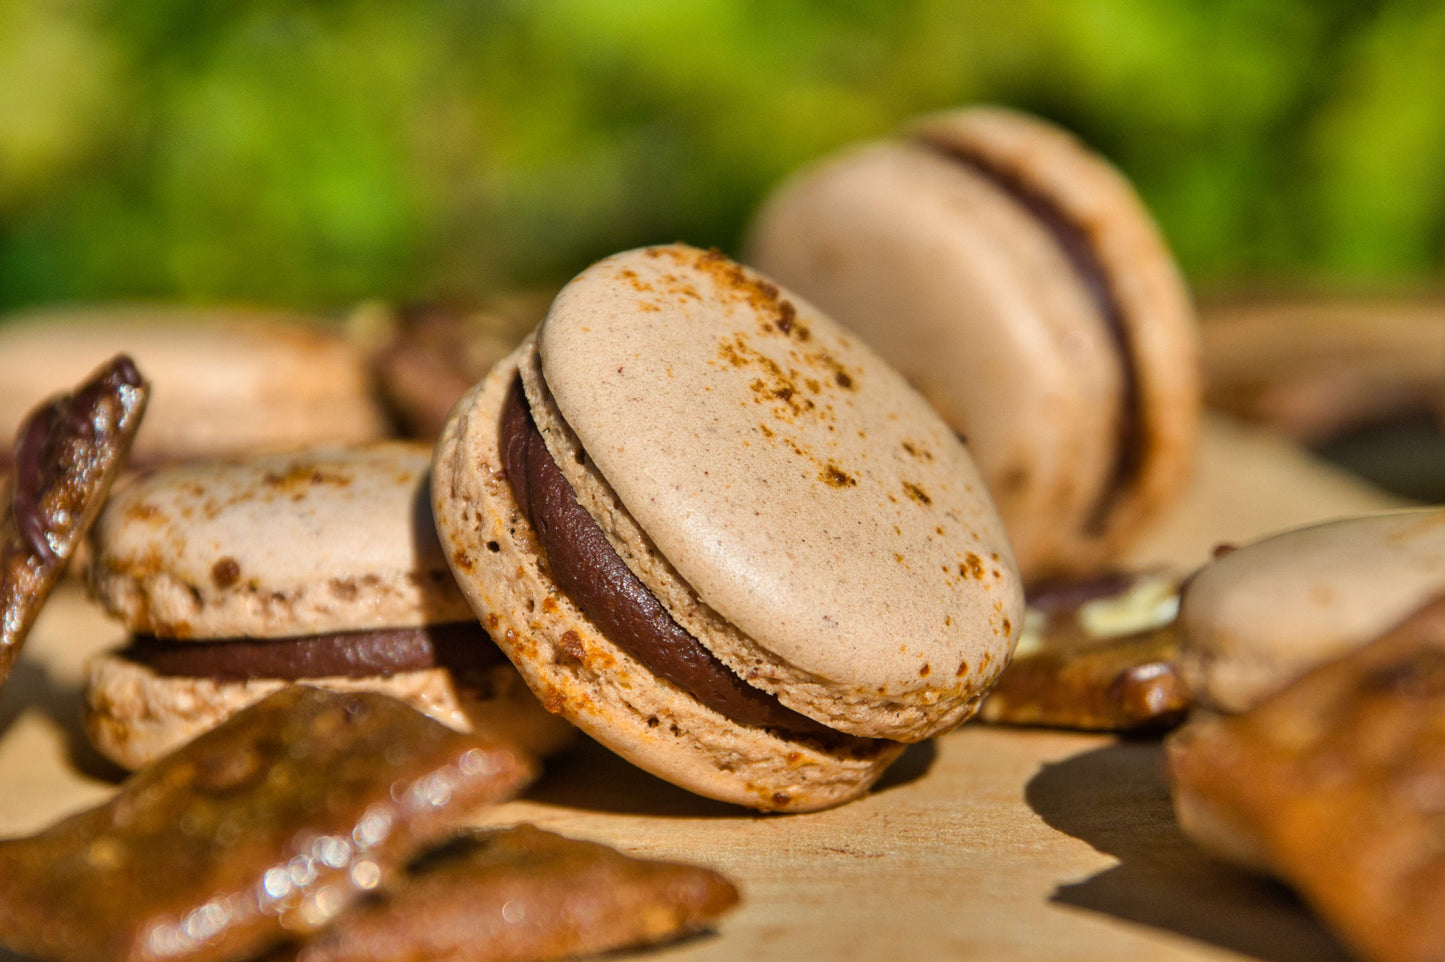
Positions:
(1262, 615)
(225, 380)
(1014, 276)
(722, 536)
(236, 578)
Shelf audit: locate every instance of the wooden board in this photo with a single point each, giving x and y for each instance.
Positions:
(983, 844)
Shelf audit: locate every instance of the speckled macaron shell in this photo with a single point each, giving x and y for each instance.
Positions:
(134, 716)
(224, 380)
(794, 484)
(336, 538)
(963, 287)
(578, 673)
(1264, 614)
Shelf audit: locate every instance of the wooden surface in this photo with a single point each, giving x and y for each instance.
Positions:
(983, 844)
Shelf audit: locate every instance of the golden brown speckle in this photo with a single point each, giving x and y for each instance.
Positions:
(836, 477)
(916, 493)
(225, 572)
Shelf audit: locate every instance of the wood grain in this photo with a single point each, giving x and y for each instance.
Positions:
(985, 843)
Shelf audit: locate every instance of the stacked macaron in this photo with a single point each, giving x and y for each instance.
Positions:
(238, 577)
(1016, 279)
(722, 536)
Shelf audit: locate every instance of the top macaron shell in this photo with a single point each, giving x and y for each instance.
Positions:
(793, 481)
(916, 244)
(1264, 614)
(225, 380)
(280, 545)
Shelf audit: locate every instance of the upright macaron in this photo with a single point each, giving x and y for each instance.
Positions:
(1016, 279)
(722, 536)
(1264, 614)
(321, 565)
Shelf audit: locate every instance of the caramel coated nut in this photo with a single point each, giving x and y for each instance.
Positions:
(1337, 785)
(67, 454)
(1098, 655)
(264, 828)
(1127, 684)
(517, 894)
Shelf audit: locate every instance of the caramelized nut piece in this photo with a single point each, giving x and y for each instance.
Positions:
(67, 454)
(1337, 785)
(431, 354)
(1127, 684)
(524, 894)
(263, 828)
(1098, 656)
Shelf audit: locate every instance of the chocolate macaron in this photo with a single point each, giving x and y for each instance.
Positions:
(1016, 279)
(722, 536)
(322, 566)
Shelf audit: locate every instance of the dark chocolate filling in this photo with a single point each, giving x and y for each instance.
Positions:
(461, 647)
(1073, 240)
(589, 571)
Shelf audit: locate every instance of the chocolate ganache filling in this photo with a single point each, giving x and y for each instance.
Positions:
(1073, 240)
(596, 579)
(461, 647)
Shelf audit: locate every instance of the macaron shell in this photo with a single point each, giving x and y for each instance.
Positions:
(790, 477)
(1161, 335)
(224, 380)
(578, 673)
(976, 304)
(1262, 615)
(278, 545)
(133, 716)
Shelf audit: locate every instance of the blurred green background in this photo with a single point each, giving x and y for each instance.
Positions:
(317, 153)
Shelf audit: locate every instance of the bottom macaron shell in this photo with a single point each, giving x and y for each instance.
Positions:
(579, 674)
(133, 715)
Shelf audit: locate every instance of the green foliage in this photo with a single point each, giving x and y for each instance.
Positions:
(318, 153)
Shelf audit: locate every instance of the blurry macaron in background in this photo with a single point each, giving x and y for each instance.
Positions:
(380, 153)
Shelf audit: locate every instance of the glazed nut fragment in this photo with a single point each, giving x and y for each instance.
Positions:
(509, 895)
(1337, 785)
(1127, 684)
(262, 829)
(67, 454)
(1096, 655)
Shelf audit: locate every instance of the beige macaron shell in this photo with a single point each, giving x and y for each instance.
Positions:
(579, 674)
(223, 380)
(1264, 614)
(974, 301)
(1158, 315)
(791, 477)
(278, 545)
(133, 716)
